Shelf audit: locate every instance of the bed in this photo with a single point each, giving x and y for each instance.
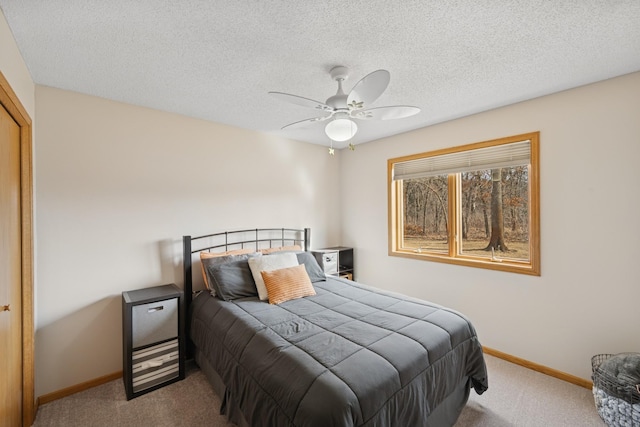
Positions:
(346, 355)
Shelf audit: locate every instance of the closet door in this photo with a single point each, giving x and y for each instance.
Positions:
(11, 368)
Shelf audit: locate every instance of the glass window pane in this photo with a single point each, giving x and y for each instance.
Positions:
(495, 213)
(426, 213)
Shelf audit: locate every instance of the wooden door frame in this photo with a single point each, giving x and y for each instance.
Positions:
(14, 107)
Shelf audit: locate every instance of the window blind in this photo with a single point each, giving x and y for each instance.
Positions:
(497, 156)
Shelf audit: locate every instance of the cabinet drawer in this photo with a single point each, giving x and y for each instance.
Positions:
(329, 262)
(155, 365)
(154, 322)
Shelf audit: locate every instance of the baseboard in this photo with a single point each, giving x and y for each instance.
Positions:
(539, 368)
(46, 398)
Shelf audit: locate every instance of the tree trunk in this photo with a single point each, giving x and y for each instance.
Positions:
(465, 226)
(466, 213)
(486, 220)
(424, 213)
(436, 220)
(496, 242)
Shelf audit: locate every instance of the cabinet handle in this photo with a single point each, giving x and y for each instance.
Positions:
(155, 362)
(154, 309)
(6, 307)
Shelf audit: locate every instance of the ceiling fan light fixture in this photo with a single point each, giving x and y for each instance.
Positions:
(341, 109)
(341, 129)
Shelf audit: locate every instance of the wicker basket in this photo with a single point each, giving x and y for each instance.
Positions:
(617, 402)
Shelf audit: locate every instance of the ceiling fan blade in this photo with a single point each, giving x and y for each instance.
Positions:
(386, 113)
(305, 122)
(299, 100)
(369, 88)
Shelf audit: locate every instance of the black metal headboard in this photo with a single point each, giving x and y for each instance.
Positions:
(257, 238)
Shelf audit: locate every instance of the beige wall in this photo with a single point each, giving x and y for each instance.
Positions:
(586, 301)
(119, 185)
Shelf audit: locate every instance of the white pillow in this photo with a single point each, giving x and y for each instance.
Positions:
(269, 263)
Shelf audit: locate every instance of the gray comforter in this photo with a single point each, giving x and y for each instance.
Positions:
(348, 356)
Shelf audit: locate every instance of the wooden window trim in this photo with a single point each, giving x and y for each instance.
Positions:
(395, 211)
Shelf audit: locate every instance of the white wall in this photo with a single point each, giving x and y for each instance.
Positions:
(586, 300)
(119, 185)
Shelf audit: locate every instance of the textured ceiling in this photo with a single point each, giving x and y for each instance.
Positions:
(216, 60)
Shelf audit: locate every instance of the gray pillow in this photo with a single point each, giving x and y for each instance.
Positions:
(311, 265)
(230, 277)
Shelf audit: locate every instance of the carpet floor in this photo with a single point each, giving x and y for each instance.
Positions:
(517, 396)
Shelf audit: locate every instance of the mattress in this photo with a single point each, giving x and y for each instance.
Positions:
(351, 355)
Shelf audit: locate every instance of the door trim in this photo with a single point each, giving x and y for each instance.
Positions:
(16, 110)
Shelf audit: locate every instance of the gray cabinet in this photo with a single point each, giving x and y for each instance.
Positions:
(337, 261)
(153, 339)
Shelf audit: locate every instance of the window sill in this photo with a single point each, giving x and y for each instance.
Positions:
(498, 265)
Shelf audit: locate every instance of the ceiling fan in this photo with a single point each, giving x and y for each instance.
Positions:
(341, 108)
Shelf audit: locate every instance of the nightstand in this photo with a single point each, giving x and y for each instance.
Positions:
(153, 341)
(337, 261)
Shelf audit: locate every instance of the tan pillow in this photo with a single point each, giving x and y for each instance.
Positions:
(287, 284)
(280, 249)
(208, 255)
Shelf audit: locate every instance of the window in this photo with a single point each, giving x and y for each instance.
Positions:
(474, 205)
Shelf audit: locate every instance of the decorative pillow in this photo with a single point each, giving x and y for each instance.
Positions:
(311, 264)
(222, 258)
(287, 283)
(281, 249)
(268, 263)
(232, 279)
